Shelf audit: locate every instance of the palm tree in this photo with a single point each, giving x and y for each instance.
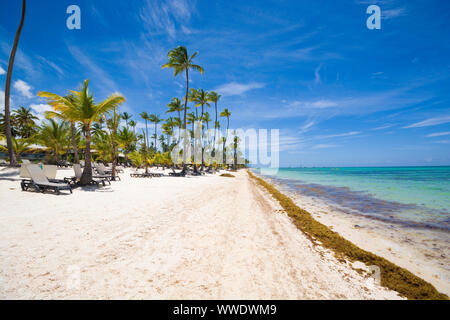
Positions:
(73, 131)
(82, 109)
(25, 121)
(145, 116)
(207, 119)
(127, 141)
(192, 97)
(214, 97)
(180, 61)
(175, 106)
(20, 146)
(155, 119)
(9, 143)
(126, 116)
(202, 99)
(191, 118)
(112, 123)
(236, 141)
(73, 135)
(54, 135)
(227, 114)
(167, 129)
(132, 124)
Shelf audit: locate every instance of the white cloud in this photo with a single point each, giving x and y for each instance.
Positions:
(161, 17)
(393, 13)
(347, 134)
(24, 88)
(2, 71)
(438, 134)
(319, 104)
(317, 79)
(234, 88)
(430, 122)
(386, 126)
(307, 126)
(39, 110)
(324, 146)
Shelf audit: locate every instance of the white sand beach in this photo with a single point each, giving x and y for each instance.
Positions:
(207, 237)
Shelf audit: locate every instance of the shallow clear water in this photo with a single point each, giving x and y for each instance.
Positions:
(412, 195)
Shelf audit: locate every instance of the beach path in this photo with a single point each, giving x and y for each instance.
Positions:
(206, 237)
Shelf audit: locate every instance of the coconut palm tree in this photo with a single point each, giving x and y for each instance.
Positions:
(207, 119)
(73, 130)
(175, 106)
(225, 113)
(82, 109)
(132, 124)
(236, 141)
(25, 122)
(112, 123)
(192, 97)
(146, 117)
(214, 97)
(126, 116)
(167, 129)
(20, 146)
(191, 118)
(127, 141)
(9, 142)
(180, 61)
(155, 119)
(202, 99)
(55, 136)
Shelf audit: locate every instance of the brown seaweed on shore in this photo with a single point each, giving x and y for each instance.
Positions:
(392, 276)
(227, 175)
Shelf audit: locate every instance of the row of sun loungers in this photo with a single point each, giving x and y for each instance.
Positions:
(44, 179)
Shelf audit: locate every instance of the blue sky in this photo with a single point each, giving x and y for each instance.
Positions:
(341, 95)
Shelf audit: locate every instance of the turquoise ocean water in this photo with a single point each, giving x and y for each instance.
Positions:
(414, 196)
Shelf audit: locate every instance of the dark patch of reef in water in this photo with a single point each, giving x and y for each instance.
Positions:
(393, 277)
(363, 204)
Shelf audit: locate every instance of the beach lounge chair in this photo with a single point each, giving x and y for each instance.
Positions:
(50, 171)
(78, 173)
(40, 182)
(140, 175)
(177, 174)
(119, 169)
(103, 173)
(23, 172)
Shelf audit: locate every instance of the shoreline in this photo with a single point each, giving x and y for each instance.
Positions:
(318, 229)
(420, 250)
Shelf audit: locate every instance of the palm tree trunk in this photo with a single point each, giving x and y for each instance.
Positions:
(156, 129)
(74, 143)
(12, 156)
(185, 110)
(86, 177)
(113, 155)
(215, 129)
(146, 131)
